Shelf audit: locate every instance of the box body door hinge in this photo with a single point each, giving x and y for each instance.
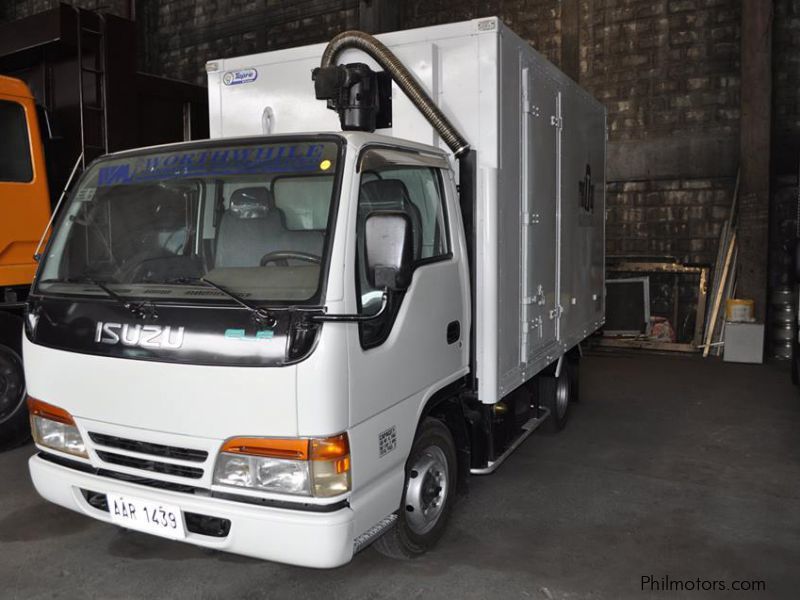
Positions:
(535, 323)
(530, 218)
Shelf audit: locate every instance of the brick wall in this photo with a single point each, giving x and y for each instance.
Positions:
(665, 70)
(179, 36)
(680, 218)
(11, 10)
(786, 71)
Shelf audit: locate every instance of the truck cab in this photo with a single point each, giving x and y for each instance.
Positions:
(24, 212)
(138, 292)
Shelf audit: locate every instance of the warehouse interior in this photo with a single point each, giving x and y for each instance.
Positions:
(677, 474)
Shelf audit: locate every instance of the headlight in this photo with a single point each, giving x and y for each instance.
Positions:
(55, 428)
(306, 467)
(269, 474)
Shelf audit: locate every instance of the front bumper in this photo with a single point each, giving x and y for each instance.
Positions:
(309, 539)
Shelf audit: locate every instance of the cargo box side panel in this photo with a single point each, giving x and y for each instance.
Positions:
(524, 291)
(540, 216)
(582, 217)
(549, 217)
(582, 155)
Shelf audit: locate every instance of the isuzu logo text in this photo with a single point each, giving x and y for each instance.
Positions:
(144, 336)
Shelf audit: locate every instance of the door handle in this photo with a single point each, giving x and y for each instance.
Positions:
(453, 332)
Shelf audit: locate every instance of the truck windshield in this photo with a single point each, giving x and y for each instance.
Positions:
(254, 219)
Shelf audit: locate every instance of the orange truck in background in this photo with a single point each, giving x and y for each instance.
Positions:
(24, 213)
(74, 70)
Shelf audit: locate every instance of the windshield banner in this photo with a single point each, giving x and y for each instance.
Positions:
(247, 160)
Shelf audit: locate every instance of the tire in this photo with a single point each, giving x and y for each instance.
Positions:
(431, 472)
(554, 394)
(14, 426)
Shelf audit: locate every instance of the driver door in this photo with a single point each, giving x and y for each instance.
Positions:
(420, 343)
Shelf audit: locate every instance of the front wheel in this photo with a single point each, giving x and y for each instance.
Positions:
(428, 494)
(14, 428)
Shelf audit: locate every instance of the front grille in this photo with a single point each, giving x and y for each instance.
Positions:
(150, 465)
(153, 483)
(187, 454)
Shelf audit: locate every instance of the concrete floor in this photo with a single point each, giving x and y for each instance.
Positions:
(669, 467)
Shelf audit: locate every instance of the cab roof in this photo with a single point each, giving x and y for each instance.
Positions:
(9, 86)
(354, 139)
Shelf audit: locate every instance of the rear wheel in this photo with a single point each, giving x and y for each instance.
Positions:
(554, 394)
(428, 494)
(14, 428)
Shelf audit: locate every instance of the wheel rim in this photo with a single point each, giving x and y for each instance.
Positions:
(428, 487)
(12, 384)
(562, 395)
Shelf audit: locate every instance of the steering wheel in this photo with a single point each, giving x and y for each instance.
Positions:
(135, 269)
(282, 257)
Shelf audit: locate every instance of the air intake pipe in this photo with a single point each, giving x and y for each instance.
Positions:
(404, 79)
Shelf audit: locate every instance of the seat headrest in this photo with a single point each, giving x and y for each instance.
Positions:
(251, 203)
(387, 194)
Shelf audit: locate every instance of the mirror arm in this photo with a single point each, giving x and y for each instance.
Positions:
(356, 318)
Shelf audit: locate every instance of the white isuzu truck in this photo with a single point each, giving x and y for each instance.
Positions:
(303, 335)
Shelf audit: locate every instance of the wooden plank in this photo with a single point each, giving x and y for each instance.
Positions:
(730, 292)
(700, 315)
(718, 297)
(653, 267)
(639, 344)
(724, 238)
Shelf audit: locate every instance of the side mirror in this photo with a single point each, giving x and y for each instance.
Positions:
(388, 247)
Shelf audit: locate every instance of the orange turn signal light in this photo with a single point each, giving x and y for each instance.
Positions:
(48, 411)
(330, 448)
(336, 447)
(296, 449)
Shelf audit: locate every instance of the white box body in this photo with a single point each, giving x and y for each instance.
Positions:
(744, 342)
(540, 191)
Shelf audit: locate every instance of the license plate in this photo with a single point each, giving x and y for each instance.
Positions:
(151, 517)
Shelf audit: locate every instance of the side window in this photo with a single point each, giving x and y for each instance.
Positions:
(425, 195)
(416, 191)
(15, 151)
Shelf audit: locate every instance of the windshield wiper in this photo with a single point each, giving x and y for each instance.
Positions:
(261, 314)
(142, 310)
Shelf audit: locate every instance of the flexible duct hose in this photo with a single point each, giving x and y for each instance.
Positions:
(404, 79)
